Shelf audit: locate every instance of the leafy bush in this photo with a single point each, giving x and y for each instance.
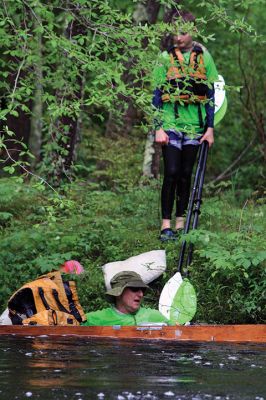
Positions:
(96, 227)
(112, 163)
(229, 268)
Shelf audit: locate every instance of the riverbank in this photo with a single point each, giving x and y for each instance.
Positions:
(41, 230)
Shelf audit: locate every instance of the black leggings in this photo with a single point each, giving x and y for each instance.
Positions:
(178, 167)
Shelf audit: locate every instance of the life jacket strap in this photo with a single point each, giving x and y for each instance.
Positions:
(201, 124)
(51, 317)
(41, 294)
(58, 302)
(195, 68)
(186, 98)
(74, 311)
(75, 299)
(15, 317)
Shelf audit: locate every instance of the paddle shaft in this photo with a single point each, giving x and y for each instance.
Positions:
(194, 203)
(198, 202)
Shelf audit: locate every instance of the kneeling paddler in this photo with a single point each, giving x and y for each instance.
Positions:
(126, 295)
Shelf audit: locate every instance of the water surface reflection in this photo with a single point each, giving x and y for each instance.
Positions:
(78, 368)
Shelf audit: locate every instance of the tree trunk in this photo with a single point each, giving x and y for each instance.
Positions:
(147, 12)
(66, 130)
(35, 139)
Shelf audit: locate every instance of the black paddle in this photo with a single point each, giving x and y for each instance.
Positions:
(178, 300)
(194, 205)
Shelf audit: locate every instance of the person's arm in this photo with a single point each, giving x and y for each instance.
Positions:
(160, 136)
(209, 107)
(212, 76)
(158, 76)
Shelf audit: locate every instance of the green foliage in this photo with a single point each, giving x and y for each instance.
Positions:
(229, 266)
(77, 55)
(239, 154)
(119, 168)
(98, 226)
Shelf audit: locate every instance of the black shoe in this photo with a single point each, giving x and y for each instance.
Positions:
(178, 232)
(167, 234)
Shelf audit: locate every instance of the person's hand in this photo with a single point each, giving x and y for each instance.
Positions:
(208, 136)
(161, 137)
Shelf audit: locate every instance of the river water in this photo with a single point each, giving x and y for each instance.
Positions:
(46, 368)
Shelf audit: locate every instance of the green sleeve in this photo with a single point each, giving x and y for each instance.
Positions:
(210, 66)
(96, 318)
(109, 317)
(104, 317)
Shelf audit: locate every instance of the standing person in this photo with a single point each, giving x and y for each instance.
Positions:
(126, 295)
(184, 99)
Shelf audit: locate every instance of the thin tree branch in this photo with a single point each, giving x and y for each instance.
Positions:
(236, 161)
(29, 172)
(16, 80)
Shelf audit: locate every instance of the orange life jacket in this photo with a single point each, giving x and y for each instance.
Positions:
(48, 300)
(186, 83)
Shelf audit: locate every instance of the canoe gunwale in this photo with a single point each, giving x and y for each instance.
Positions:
(193, 333)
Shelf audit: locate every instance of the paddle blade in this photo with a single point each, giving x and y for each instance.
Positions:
(220, 100)
(184, 304)
(168, 293)
(220, 113)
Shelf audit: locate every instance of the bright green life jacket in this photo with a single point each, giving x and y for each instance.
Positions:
(110, 317)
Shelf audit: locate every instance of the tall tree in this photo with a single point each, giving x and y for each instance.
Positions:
(127, 114)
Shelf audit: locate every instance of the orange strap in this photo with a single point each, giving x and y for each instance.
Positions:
(186, 98)
(195, 69)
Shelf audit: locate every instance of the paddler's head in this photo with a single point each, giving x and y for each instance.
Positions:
(185, 28)
(127, 291)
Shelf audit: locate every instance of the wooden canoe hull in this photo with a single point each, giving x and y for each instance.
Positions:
(193, 333)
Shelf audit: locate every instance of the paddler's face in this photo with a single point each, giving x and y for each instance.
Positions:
(130, 300)
(183, 41)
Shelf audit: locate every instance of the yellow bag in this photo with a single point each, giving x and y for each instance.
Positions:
(51, 317)
(36, 302)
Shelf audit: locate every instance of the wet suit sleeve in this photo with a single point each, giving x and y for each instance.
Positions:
(209, 107)
(212, 76)
(157, 104)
